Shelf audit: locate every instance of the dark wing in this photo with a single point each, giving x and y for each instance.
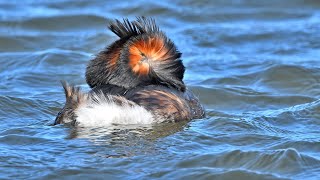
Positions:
(165, 105)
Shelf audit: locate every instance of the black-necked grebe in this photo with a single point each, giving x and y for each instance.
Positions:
(138, 79)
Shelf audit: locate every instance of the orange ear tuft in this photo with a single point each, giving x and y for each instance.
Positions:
(135, 59)
(144, 51)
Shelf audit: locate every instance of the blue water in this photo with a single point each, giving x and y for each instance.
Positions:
(253, 64)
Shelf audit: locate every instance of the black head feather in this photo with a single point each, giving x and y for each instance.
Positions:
(127, 29)
(142, 56)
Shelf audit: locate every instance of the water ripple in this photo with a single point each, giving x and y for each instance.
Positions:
(253, 64)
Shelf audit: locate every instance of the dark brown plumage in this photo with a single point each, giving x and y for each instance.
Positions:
(142, 56)
(142, 68)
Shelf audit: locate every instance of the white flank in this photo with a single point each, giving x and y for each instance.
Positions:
(105, 112)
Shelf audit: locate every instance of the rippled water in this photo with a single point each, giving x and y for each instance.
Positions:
(254, 65)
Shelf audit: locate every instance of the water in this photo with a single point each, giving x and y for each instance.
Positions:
(253, 64)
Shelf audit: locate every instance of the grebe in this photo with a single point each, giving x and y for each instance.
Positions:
(138, 79)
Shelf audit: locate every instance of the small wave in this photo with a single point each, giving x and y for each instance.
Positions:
(241, 100)
(289, 123)
(214, 173)
(62, 22)
(301, 145)
(280, 162)
(289, 79)
(21, 108)
(21, 140)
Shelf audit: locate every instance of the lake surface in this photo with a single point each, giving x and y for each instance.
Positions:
(255, 66)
